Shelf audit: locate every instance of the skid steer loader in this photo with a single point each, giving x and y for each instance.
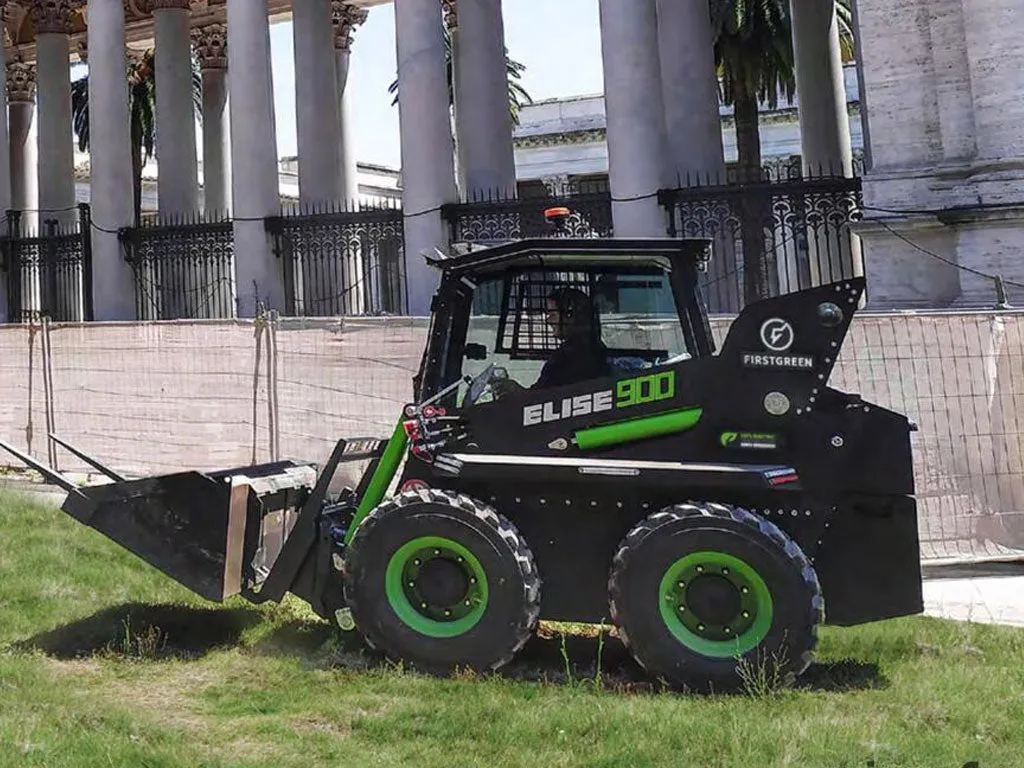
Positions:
(577, 449)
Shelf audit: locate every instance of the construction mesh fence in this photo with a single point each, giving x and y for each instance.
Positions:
(161, 397)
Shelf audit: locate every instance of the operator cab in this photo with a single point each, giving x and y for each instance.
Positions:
(557, 312)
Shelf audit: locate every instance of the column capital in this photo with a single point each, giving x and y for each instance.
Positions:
(53, 16)
(346, 17)
(21, 81)
(211, 46)
(451, 13)
(139, 65)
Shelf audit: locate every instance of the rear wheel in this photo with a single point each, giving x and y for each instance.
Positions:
(703, 595)
(442, 581)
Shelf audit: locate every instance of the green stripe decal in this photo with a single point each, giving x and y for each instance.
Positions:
(381, 480)
(638, 429)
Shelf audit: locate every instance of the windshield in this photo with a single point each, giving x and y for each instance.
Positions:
(590, 324)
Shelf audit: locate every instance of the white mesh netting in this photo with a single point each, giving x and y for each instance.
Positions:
(161, 397)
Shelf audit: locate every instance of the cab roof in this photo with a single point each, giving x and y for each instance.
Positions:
(554, 250)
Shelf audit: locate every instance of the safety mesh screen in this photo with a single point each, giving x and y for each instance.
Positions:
(164, 397)
(524, 330)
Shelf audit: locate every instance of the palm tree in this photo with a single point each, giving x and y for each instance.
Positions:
(754, 59)
(141, 113)
(517, 95)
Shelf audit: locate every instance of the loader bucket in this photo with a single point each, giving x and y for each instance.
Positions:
(217, 534)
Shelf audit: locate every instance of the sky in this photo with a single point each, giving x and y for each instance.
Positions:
(559, 42)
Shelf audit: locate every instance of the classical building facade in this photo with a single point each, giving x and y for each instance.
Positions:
(559, 141)
(938, 88)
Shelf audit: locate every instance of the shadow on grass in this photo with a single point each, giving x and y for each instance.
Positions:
(137, 630)
(549, 657)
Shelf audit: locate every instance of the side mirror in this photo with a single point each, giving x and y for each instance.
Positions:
(476, 352)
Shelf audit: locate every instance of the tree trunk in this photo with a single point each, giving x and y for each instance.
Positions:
(137, 169)
(755, 208)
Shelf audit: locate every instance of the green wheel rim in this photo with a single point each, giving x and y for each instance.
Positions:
(409, 604)
(726, 639)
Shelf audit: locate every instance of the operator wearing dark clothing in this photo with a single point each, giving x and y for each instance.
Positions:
(581, 356)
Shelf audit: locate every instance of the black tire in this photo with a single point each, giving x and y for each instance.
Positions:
(783, 637)
(503, 622)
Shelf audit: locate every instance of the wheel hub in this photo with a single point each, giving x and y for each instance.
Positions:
(436, 586)
(714, 599)
(715, 603)
(442, 582)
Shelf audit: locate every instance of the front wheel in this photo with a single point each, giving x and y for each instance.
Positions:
(704, 595)
(441, 581)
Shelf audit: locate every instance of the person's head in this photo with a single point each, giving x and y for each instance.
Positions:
(570, 313)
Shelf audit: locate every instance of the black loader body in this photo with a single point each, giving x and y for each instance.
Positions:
(832, 471)
(578, 449)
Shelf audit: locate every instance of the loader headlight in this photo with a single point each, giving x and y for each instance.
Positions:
(830, 314)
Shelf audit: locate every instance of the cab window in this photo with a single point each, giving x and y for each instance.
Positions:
(549, 328)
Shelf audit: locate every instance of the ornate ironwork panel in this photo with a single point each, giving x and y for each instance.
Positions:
(498, 219)
(781, 233)
(184, 268)
(49, 274)
(342, 262)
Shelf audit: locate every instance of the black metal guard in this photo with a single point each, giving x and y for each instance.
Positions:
(49, 274)
(773, 234)
(342, 260)
(184, 266)
(496, 217)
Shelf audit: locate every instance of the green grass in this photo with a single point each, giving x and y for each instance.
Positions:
(105, 662)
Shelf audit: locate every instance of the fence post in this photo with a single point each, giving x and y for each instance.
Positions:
(52, 228)
(85, 227)
(15, 301)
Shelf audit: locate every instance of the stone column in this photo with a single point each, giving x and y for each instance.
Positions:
(315, 99)
(821, 89)
(635, 116)
(5, 172)
(482, 119)
(254, 179)
(110, 159)
(993, 241)
(832, 254)
(690, 86)
(178, 177)
(428, 173)
(993, 30)
(210, 44)
(346, 18)
(21, 96)
(56, 143)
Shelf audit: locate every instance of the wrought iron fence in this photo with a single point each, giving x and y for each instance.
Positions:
(342, 261)
(184, 266)
(774, 234)
(49, 274)
(490, 218)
